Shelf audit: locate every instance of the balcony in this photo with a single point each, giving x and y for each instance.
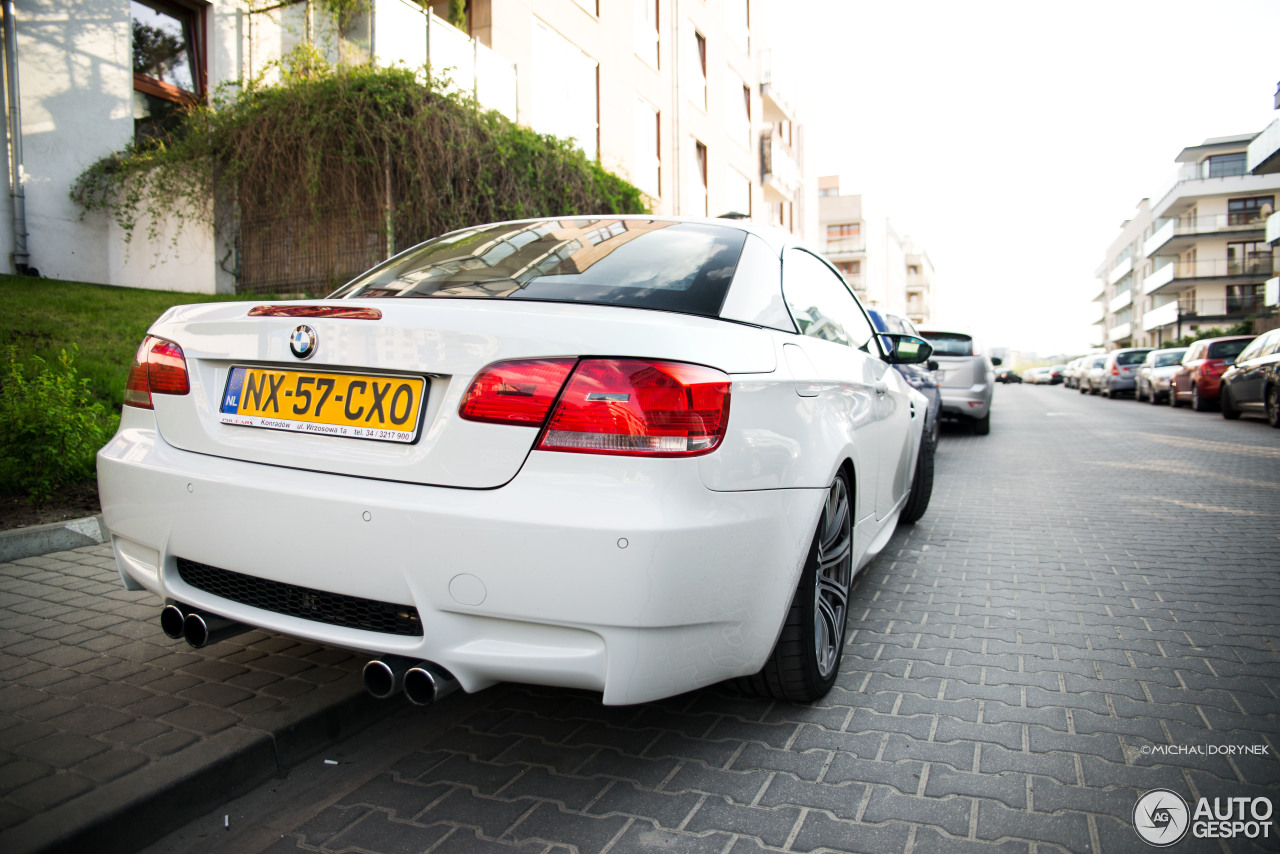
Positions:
(775, 91)
(1165, 315)
(1119, 332)
(1096, 314)
(779, 174)
(1200, 312)
(845, 245)
(398, 32)
(1179, 235)
(1263, 154)
(1120, 301)
(1120, 270)
(1188, 185)
(1173, 276)
(1271, 293)
(1273, 229)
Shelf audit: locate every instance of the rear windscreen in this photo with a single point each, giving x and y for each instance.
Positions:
(1134, 357)
(671, 266)
(949, 343)
(1226, 349)
(1164, 360)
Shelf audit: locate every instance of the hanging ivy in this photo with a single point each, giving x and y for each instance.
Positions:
(344, 142)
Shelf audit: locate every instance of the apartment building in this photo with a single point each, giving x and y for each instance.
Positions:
(1196, 255)
(887, 271)
(685, 98)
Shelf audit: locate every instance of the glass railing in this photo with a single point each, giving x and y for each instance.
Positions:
(845, 244)
(1240, 221)
(1255, 264)
(1242, 305)
(778, 167)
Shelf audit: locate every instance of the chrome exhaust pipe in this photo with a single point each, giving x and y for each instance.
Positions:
(384, 677)
(425, 683)
(171, 619)
(201, 629)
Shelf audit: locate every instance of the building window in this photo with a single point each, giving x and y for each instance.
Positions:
(647, 173)
(849, 269)
(738, 108)
(1223, 165)
(1246, 211)
(646, 26)
(913, 269)
(1248, 259)
(828, 191)
(698, 71)
(843, 230)
(1244, 298)
(698, 182)
(168, 65)
(566, 87)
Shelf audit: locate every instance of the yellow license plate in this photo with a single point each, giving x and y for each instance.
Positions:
(358, 406)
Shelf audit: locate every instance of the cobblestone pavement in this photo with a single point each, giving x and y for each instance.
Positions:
(100, 711)
(1095, 583)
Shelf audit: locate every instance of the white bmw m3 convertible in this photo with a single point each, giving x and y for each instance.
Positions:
(631, 455)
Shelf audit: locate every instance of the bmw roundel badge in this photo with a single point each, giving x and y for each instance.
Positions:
(303, 342)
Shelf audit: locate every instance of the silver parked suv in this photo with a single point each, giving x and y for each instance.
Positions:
(967, 377)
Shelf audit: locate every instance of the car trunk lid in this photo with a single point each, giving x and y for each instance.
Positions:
(435, 346)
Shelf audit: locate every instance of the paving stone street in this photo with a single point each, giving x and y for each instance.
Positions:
(1089, 610)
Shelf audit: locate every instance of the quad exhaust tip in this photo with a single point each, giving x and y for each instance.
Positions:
(423, 682)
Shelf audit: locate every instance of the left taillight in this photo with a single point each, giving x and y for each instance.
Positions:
(159, 367)
(630, 407)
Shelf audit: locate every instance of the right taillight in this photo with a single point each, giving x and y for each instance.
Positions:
(158, 368)
(640, 408)
(632, 407)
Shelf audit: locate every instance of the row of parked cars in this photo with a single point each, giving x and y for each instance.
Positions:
(1235, 374)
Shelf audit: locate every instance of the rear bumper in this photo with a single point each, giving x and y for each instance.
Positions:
(972, 402)
(623, 576)
(1120, 384)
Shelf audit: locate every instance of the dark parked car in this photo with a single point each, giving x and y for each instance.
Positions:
(1057, 374)
(1009, 377)
(921, 377)
(1252, 384)
(1155, 372)
(1199, 379)
(1120, 370)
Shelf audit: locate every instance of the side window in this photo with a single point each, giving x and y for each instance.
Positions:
(820, 302)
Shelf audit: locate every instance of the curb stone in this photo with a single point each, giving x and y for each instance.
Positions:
(38, 540)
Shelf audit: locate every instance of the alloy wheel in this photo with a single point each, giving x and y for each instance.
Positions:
(834, 573)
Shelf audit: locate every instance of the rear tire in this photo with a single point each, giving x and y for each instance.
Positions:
(1198, 402)
(806, 658)
(921, 484)
(982, 426)
(1229, 412)
(1272, 397)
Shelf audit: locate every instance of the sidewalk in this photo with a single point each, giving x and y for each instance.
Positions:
(111, 734)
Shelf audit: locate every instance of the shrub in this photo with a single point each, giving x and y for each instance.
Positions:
(53, 427)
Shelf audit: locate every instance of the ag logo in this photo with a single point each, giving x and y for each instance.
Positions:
(1161, 817)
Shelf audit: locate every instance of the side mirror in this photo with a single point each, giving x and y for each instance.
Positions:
(997, 361)
(932, 365)
(903, 349)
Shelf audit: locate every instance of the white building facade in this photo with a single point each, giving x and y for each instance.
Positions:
(887, 271)
(681, 97)
(1197, 256)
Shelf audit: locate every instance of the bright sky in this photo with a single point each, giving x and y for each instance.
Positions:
(1012, 139)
